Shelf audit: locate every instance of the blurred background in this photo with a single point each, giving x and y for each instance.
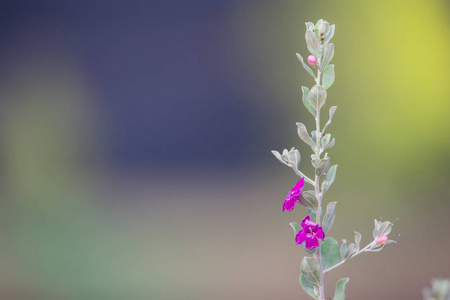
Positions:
(135, 141)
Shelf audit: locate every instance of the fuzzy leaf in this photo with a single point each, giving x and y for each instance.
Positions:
(311, 213)
(307, 285)
(325, 140)
(330, 253)
(329, 145)
(311, 270)
(328, 77)
(327, 56)
(385, 228)
(303, 134)
(329, 179)
(329, 217)
(358, 240)
(375, 230)
(331, 113)
(313, 43)
(305, 92)
(279, 157)
(343, 249)
(323, 167)
(308, 200)
(339, 293)
(309, 26)
(296, 227)
(329, 35)
(350, 251)
(317, 96)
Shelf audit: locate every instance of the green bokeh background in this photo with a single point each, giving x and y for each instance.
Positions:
(68, 231)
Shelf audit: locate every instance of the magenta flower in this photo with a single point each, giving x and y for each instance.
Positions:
(310, 234)
(292, 197)
(312, 60)
(382, 240)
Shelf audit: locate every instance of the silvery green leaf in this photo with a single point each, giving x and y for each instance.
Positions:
(307, 285)
(389, 243)
(328, 54)
(332, 111)
(324, 29)
(358, 240)
(315, 157)
(329, 35)
(328, 77)
(326, 165)
(315, 163)
(311, 213)
(318, 23)
(306, 103)
(385, 228)
(316, 27)
(309, 26)
(316, 292)
(325, 140)
(296, 227)
(352, 249)
(329, 179)
(315, 160)
(343, 249)
(279, 157)
(379, 225)
(313, 43)
(293, 157)
(305, 66)
(330, 253)
(375, 230)
(311, 270)
(323, 167)
(329, 145)
(329, 217)
(309, 200)
(314, 137)
(317, 96)
(339, 293)
(331, 174)
(303, 134)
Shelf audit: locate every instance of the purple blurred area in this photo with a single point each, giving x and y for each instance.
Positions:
(166, 75)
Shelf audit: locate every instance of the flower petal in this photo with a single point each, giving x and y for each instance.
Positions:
(311, 243)
(305, 219)
(300, 237)
(310, 224)
(299, 185)
(320, 234)
(289, 203)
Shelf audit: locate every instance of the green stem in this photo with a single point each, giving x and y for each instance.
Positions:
(343, 261)
(317, 253)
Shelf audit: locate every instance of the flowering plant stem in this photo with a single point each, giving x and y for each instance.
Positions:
(319, 195)
(327, 255)
(357, 253)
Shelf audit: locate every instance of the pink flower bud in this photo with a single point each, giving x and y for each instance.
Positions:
(312, 60)
(382, 240)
